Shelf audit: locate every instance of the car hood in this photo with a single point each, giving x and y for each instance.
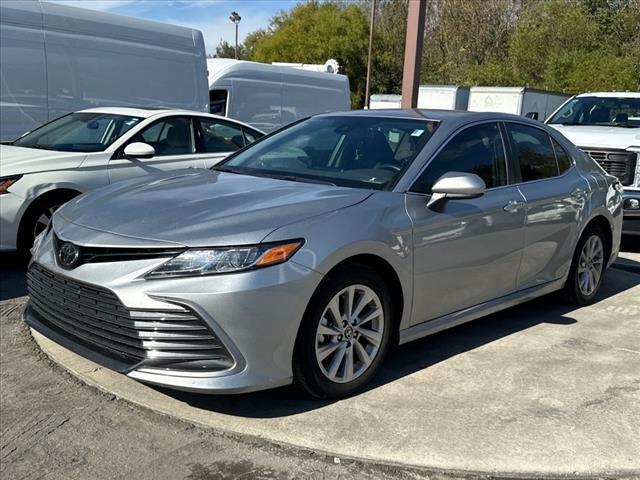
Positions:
(21, 160)
(600, 136)
(203, 207)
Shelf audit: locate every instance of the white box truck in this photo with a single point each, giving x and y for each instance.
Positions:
(269, 96)
(443, 97)
(379, 101)
(55, 59)
(537, 104)
(435, 97)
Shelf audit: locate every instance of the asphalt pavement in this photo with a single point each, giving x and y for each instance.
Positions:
(537, 390)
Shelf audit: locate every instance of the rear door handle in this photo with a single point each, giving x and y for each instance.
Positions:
(513, 206)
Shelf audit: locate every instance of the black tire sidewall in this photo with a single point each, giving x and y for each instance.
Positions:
(307, 373)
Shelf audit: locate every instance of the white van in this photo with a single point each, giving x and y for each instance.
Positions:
(55, 59)
(536, 104)
(270, 96)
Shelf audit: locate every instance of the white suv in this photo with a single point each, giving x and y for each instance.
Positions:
(88, 149)
(606, 126)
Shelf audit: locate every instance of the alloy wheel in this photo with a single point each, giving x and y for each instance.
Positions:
(349, 333)
(42, 222)
(590, 265)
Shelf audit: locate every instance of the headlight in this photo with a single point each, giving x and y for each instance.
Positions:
(211, 261)
(6, 182)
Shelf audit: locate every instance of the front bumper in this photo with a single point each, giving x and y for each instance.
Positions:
(255, 314)
(631, 222)
(11, 208)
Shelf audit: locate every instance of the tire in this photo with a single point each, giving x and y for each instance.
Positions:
(587, 267)
(329, 356)
(36, 220)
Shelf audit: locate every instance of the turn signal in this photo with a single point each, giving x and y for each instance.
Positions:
(278, 254)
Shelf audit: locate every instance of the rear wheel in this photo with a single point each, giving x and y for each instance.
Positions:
(587, 268)
(345, 334)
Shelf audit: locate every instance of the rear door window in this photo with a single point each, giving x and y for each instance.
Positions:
(220, 137)
(532, 147)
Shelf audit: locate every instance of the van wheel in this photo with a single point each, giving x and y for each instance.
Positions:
(345, 334)
(587, 268)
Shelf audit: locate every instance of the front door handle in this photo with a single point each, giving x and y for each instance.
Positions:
(513, 206)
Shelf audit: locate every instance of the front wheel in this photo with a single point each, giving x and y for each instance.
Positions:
(345, 334)
(587, 268)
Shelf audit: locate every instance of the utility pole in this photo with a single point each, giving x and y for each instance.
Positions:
(235, 18)
(413, 53)
(368, 83)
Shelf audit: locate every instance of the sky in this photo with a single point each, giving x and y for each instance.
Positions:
(211, 17)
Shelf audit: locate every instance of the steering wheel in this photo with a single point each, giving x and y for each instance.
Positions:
(389, 166)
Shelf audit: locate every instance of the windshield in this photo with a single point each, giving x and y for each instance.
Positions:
(79, 132)
(350, 151)
(618, 112)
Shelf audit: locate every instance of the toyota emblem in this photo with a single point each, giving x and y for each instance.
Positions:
(68, 255)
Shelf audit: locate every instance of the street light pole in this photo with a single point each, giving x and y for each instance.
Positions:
(368, 82)
(235, 18)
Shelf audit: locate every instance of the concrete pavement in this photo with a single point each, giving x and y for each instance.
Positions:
(538, 390)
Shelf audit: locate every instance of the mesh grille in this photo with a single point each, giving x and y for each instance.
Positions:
(96, 318)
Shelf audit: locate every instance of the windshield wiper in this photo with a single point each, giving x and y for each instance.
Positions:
(304, 180)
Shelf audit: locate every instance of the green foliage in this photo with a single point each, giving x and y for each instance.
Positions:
(315, 31)
(563, 45)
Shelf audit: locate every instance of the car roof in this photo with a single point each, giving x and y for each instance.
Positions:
(610, 94)
(450, 116)
(148, 112)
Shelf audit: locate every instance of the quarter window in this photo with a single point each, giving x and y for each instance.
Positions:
(564, 160)
(477, 149)
(534, 151)
(220, 136)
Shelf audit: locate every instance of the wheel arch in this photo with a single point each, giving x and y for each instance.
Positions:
(55, 194)
(388, 274)
(602, 222)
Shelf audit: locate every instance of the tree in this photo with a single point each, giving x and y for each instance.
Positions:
(315, 31)
(225, 50)
(570, 45)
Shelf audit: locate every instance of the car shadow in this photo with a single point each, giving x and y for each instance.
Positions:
(406, 359)
(13, 281)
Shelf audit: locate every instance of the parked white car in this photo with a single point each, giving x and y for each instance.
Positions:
(80, 151)
(606, 126)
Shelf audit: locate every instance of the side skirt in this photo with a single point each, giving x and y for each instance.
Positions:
(463, 316)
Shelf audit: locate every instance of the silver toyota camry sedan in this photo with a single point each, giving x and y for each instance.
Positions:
(306, 256)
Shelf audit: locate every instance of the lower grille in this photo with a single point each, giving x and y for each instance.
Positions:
(95, 318)
(618, 163)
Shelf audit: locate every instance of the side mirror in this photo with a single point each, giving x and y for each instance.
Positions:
(139, 150)
(457, 185)
(532, 115)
